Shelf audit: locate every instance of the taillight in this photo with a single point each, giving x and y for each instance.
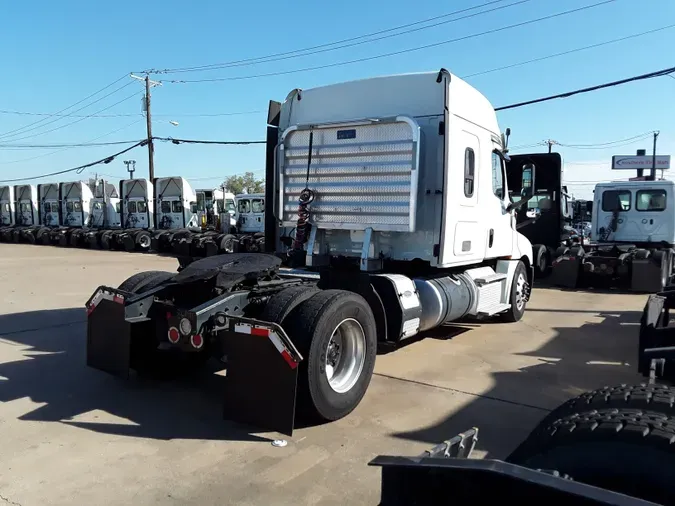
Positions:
(197, 341)
(174, 335)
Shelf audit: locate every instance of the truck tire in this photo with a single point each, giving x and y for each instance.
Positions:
(280, 305)
(335, 332)
(227, 243)
(146, 280)
(542, 261)
(659, 398)
(520, 292)
(625, 450)
(143, 240)
(106, 240)
(666, 260)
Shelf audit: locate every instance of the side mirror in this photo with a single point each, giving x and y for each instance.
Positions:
(528, 178)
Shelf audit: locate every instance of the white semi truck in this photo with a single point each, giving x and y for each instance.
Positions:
(397, 188)
(26, 213)
(7, 212)
(246, 232)
(632, 239)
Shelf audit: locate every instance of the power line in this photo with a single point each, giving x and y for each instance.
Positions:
(3, 134)
(395, 53)
(196, 115)
(86, 144)
(350, 39)
(23, 130)
(598, 145)
(606, 145)
(80, 168)
(73, 145)
(323, 49)
(190, 141)
(650, 75)
(571, 51)
(78, 120)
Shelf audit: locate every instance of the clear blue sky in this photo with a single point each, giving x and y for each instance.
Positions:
(56, 53)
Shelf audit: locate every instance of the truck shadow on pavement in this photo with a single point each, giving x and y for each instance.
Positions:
(574, 360)
(43, 358)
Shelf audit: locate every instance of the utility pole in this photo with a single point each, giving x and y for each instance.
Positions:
(652, 176)
(550, 143)
(148, 122)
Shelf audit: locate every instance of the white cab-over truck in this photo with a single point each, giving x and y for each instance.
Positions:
(7, 213)
(247, 230)
(26, 215)
(397, 188)
(632, 239)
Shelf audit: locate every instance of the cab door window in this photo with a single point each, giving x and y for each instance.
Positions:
(497, 176)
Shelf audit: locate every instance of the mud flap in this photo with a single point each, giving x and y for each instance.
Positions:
(262, 376)
(646, 276)
(565, 271)
(108, 334)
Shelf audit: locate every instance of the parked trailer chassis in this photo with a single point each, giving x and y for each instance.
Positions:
(626, 266)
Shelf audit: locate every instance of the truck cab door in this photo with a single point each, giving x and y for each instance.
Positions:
(650, 222)
(610, 215)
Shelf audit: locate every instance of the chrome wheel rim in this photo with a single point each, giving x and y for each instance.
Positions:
(521, 291)
(345, 355)
(144, 242)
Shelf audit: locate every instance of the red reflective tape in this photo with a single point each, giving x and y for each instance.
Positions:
(257, 331)
(289, 359)
(90, 309)
(119, 299)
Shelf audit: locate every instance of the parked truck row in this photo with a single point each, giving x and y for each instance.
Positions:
(165, 215)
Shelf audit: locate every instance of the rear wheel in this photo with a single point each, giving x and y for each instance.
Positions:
(280, 305)
(624, 450)
(335, 332)
(227, 243)
(542, 261)
(666, 259)
(143, 240)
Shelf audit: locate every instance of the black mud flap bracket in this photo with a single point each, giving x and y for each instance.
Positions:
(262, 375)
(444, 475)
(108, 332)
(656, 347)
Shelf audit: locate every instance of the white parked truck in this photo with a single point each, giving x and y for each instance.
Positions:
(104, 216)
(397, 188)
(26, 218)
(247, 232)
(137, 216)
(174, 212)
(49, 212)
(632, 239)
(7, 213)
(76, 197)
